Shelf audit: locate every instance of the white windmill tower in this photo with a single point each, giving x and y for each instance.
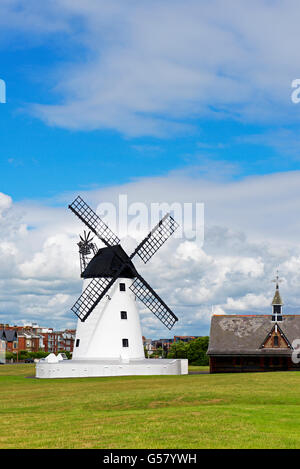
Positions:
(108, 336)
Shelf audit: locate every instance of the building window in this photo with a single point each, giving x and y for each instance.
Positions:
(122, 287)
(125, 342)
(277, 309)
(276, 341)
(123, 314)
(276, 318)
(77, 342)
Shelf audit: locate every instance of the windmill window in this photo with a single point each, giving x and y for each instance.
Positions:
(123, 314)
(125, 342)
(122, 287)
(77, 342)
(276, 341)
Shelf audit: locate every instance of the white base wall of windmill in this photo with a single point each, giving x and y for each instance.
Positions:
(97, 368)
(104, 334)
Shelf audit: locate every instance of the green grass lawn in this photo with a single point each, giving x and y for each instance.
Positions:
(198, 368)
(196, 411)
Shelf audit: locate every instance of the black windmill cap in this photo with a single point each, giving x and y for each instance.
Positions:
(108, 261)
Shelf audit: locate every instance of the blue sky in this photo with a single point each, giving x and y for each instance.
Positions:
(56, 160)
(57, 157)
(121, 97)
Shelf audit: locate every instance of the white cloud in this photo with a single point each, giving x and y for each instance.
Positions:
(55, 260)
(150, 68)
(17, 16)
(248, 302)
(5, 203)
(37, 273)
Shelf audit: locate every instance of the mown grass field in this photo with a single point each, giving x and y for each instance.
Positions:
(196, 411)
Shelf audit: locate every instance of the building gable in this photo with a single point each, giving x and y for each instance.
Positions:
(276, 339)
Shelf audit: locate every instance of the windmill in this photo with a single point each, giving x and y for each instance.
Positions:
(108, 325)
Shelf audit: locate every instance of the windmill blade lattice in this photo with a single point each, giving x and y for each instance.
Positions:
(93, 294)
(156, 238)
(90, 297)
(147, 295)
(93, 221)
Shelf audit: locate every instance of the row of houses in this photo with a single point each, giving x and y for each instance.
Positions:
(165, 344)
(33, 338)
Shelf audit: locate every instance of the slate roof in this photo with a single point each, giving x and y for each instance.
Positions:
(8, 335)
(277, 298)
(244, 335)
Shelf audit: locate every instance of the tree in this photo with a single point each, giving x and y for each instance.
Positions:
(156, 353)
(196, 351)
(23, 354)
(9, 355)
(178, 350)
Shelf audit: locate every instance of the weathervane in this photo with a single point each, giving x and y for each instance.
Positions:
(277, 280)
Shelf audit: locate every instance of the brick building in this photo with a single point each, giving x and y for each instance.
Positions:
(165, 344)
(28, 340)
(10, 338)
(34, 338)
(29, 337)
(185, 338)
(58, 341)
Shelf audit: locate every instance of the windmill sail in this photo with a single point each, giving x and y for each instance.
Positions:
(156, 238)
(91, 296)
(147, 295)
(93, 222)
